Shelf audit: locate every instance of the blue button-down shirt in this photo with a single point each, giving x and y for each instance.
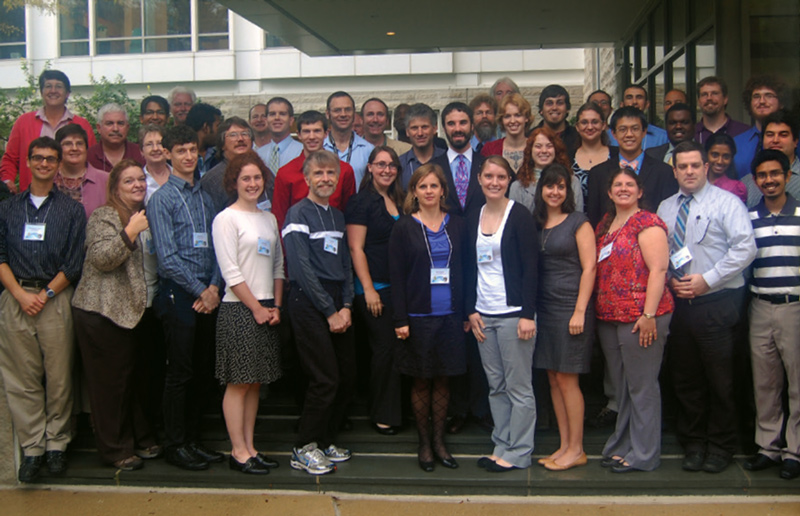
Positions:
(718, 234)
(409, 163)
(357, 155)
(654, 137)
(288, 149)
(175, 212)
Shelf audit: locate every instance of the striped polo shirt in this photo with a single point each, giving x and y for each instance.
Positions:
(776, 269)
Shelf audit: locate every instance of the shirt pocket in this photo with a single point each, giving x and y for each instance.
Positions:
(700, 230)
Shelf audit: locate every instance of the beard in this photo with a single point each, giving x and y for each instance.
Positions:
(485, 132)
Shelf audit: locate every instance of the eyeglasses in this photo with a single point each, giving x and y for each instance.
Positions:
(765, 96)
(38, 158)
(152, 145)
(382, 165)
(159, 112)
(236, 136)
(772, 174)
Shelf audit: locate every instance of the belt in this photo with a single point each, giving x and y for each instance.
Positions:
(777, 299)
(708, 298)
(33, 283)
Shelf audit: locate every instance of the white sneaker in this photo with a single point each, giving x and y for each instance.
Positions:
(336, 454)
(312, 460)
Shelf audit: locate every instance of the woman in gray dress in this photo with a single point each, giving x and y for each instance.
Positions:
(565, 315)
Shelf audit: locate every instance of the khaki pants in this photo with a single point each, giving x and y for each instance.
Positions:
(36, 357)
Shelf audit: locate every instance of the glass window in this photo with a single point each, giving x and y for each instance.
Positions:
(118, 27)
(168, 25)
(73, 24)
(272, 41)
(677, 22)
(212, 25)
(12, 34)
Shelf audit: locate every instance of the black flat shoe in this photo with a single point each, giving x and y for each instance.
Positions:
(790, 469)
(609, 462)
(484, 462)
(266, 461)
(251, 466)
(426, 466)
(448, 462)
(384, 431)
(204, 453)
(497, 468)
(759, 462)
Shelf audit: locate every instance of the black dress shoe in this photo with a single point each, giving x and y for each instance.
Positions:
(426, 466)
(251, 466)
(266, 461)
(206, 454)
(693, 461)
(56, 462)
(497, 468)
(384, 431)
(758, 463)
(716, 463)
(484, 462)
(456, 424)
(30, 468)
(447, 462)
(184, 458)
(790, 469)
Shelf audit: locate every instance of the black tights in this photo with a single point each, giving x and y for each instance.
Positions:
(429, 399)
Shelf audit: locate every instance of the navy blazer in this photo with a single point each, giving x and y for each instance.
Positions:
(475, 197)
(658, 182)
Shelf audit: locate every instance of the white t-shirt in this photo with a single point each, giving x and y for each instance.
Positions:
(248, 250)
(491, 282)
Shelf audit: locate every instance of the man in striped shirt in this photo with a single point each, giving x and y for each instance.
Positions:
(775, 316)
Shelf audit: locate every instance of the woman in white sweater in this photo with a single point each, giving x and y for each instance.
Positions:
(248, 249)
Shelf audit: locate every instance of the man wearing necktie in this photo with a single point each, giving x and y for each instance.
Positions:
(629, 125)
(469, 393)
(711, 244)
(283, 148)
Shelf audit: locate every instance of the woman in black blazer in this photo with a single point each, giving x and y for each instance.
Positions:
(426, 250)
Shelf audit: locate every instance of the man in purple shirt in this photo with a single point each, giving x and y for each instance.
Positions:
(712, 99)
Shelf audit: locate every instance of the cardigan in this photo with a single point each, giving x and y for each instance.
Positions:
(27, 128)
(410, 268)
(112, 283)
(520, 261)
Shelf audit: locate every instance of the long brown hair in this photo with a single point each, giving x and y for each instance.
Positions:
(112, 190)
(395, 192)
(526, 174)
(411, 205)
(612, 208)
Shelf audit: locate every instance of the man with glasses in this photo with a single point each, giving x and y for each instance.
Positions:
(484, 121)
(762, 96)
(54, 87)
(233, 138)
(636, 96)
(712, 99)
(41, 255)
(154, 110)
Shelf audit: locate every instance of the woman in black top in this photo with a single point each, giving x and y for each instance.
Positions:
(426, 250)
(370, 216)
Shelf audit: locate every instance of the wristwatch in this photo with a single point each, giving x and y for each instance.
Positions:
(50, 292)
(648, 316)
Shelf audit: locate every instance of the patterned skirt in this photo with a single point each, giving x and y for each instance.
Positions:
(247, 352)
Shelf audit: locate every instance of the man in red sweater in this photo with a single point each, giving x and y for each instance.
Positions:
(54, 87)
(290, 184)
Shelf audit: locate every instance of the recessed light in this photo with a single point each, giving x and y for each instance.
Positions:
(390, 33)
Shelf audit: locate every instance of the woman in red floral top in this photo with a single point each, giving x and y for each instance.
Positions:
(633, 310)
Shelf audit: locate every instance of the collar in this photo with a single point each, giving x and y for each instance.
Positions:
(452, 155)
(638, 159)
(788, 209)
(182, 184)
(66, 116)
(698, 196)
(283, 144)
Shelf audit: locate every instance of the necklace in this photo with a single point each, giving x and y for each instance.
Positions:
(545, 235)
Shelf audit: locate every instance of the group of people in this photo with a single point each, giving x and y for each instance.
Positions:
(470, 261)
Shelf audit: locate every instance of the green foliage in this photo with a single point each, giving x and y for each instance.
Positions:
(13, 104)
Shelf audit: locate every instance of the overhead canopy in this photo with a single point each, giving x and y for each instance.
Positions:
(348, 27)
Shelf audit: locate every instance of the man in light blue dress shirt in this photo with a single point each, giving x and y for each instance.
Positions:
(636, 96)
(711, 245)
(342, 140)
(280, 118)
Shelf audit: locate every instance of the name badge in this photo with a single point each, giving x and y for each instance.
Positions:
(331, 245)
(264, 205)
(200, 240)
(605, 252)
(34, 232)
(264, 247)
(485, 254)
(681, 257)
(440, 276)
